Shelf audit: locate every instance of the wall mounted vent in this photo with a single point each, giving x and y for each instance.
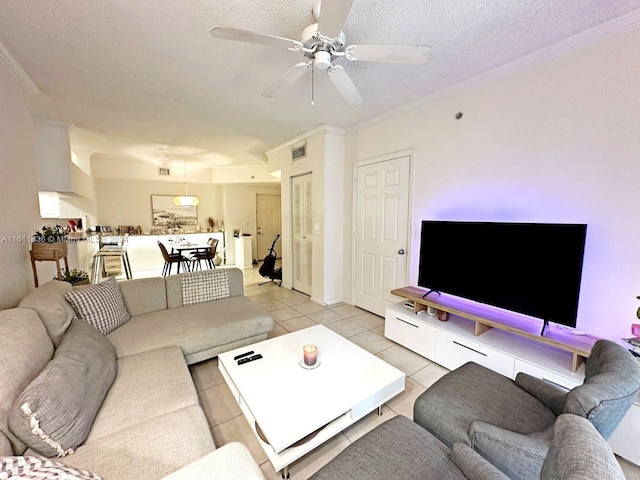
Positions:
(163, 171)
(299, 152)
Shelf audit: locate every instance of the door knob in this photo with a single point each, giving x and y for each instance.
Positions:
(401, 251)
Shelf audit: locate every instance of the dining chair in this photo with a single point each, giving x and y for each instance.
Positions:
(171, 258)
(207, 255)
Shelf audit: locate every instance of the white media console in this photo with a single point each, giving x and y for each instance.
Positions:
(503, 349)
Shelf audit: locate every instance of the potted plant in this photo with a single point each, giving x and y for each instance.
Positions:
(75, 277)
(212, 223)
(50, 243)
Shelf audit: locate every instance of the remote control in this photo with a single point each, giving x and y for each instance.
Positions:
(249, 359)
(250, 352)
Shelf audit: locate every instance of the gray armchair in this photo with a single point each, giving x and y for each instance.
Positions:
(511, 423)
(401, 449)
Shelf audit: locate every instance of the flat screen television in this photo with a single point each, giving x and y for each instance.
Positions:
(531, 268)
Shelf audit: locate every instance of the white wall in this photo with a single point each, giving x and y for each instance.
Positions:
(19, 217)
(558, 142)
(325, 160)
(128, 202)
(240, 213)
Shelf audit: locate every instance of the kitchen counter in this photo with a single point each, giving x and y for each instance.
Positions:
(143, 250)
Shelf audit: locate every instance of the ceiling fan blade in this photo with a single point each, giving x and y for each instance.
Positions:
(388, 53)
(333, 14)
(345, 86)
(239, 35)
(290, 77)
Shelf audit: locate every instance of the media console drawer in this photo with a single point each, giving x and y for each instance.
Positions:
(410, 331)
(453, 351)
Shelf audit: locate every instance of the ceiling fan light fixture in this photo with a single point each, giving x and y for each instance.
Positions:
(322, 60)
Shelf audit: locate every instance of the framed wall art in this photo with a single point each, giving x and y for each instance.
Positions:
(165, 213)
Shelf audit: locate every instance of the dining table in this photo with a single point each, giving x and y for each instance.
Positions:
(187, 246)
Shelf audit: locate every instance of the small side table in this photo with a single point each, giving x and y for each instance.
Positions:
(56, 257)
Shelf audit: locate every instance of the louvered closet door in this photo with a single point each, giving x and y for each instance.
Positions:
(302, 233)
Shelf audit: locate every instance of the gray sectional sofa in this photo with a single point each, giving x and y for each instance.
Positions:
(123, 405)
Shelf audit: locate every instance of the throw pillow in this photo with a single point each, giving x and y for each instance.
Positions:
(204, 286)
(48, 300)
(100, 305)
(55, 412)
(19, 468)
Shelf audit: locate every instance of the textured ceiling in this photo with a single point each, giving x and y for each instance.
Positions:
(134, 75)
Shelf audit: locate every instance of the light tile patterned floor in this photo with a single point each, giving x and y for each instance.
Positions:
(293, 311)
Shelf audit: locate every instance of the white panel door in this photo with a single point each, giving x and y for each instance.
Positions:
(268, 222)
(382, 216)
(302, 232)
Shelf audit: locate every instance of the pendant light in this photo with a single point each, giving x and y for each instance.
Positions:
(186, 200)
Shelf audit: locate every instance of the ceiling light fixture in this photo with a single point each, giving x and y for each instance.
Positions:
(186, 200)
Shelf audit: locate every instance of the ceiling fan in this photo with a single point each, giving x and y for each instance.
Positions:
(322, 43)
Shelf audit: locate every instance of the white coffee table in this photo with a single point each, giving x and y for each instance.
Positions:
(289, 402)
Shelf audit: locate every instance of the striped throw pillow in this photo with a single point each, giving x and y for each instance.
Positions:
(204, 286)
(20, 468)
(101, 305)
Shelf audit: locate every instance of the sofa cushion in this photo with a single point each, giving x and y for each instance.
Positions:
(151, 449)
(5, 446)
(473, 392)
(193, 328)
(54, 414)
(579, 452)
(162, 372)
(100, 305)
(233, 461)
(612, 382)
(204, 286)
(144, 295)
(398, 448)
(26, 350)
(38, 467)
(54, 311)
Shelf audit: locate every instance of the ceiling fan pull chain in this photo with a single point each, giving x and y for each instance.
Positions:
(313, 82)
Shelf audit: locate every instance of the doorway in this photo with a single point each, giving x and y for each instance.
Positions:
(381, 232)
(268, 215)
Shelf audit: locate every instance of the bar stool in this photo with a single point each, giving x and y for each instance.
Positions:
(107, 254)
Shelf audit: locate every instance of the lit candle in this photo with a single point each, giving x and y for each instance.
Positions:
(310, 353)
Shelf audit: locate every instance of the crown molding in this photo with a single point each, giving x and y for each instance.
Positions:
(12, 65)
(598, 33)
